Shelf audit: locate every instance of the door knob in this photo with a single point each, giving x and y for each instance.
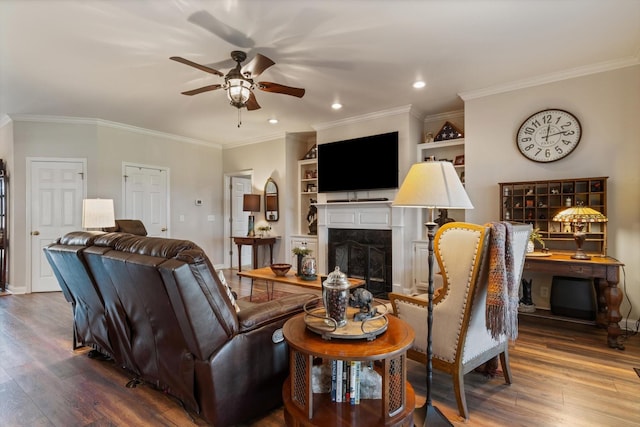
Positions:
(35, 233)
(163, 229)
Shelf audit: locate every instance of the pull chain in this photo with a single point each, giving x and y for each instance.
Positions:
(239, 118)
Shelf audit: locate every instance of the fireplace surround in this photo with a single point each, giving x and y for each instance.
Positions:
(368, 218)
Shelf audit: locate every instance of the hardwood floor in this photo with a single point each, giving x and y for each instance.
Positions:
(564, 375)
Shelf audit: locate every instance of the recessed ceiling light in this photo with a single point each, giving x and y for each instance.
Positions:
(273, 121)
(419, 84)
(336, 106)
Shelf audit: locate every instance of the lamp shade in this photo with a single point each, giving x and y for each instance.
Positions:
(98, 213)
(251, 203)
(432, 185)
(579, 214)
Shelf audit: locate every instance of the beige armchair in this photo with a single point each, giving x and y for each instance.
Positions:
(461, 341)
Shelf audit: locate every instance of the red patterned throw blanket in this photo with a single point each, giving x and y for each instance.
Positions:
(502, 291)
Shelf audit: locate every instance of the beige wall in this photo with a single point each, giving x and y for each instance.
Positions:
(195, 173)
(265, 160)
(608, 106)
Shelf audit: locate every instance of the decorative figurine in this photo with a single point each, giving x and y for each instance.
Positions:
(526, 303)
(312, 219)
(362, 299)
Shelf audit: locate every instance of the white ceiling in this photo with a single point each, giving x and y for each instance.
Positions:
(109, 60)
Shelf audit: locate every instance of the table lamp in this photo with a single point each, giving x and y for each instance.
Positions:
(97, 214)
(578, 216)
(432, 185)
(251, 204)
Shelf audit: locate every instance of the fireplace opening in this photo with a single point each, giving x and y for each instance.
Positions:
(363, 254)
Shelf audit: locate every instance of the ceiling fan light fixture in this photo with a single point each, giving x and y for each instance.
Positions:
(238, 92)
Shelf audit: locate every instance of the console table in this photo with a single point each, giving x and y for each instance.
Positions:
(302, 407)
(605, 271)
(254, 242)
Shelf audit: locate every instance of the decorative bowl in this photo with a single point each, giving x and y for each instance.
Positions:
(280, 269)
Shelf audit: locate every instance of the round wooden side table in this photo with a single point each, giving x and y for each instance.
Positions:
(302, 407)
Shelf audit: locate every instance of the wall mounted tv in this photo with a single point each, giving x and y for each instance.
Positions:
(367, 163)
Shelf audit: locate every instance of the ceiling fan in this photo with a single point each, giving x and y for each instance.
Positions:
(239, 83)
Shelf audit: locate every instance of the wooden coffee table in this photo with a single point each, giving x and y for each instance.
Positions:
(290, 278)
(302, 407)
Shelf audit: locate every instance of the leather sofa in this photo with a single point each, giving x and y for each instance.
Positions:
(158, 308)
(132, 226)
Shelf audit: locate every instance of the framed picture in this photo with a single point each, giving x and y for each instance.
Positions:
(459, 160)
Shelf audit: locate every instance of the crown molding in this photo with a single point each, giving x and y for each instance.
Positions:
(444, 116)
(552, 77)
(109, 124)
(405, 109)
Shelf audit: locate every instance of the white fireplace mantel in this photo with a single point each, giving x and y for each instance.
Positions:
(371, 215)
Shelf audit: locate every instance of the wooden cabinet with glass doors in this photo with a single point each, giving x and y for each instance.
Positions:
(537, 202)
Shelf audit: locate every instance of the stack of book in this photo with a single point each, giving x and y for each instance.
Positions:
(345, 381)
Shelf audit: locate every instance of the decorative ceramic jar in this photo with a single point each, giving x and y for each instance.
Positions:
(530, 247)
(335, 295)
(308, 268)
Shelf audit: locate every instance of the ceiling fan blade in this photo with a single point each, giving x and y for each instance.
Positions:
(252, 103)
(257, 65)
(278, 88)
(198, 66)
(202, 89)
(226, 32)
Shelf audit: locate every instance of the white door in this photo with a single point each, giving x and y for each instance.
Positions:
(56, 190)
(238, 219)
(146, 197)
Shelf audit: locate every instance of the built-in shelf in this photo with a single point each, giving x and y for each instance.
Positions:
(446, 150)
(542, 313)
(307, 191)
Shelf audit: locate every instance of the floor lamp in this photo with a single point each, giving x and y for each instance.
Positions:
(251, 204)
(431, 185)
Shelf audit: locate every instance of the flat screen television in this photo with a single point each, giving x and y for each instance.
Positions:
(366, 163)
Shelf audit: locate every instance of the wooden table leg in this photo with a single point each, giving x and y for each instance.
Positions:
(613, 296)
(254, 252)
(239, 258)
(271, 253)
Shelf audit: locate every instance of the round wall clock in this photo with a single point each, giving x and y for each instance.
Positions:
(549, 135)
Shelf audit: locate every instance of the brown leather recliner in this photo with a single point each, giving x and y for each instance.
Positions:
(90, 322)
(131, 226)
(178, 327)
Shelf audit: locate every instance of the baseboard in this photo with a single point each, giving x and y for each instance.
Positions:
(15, 290)
(397, 288)
(630, 325)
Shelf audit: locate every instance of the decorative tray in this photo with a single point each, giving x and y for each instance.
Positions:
(538, 254)
(317, 321)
